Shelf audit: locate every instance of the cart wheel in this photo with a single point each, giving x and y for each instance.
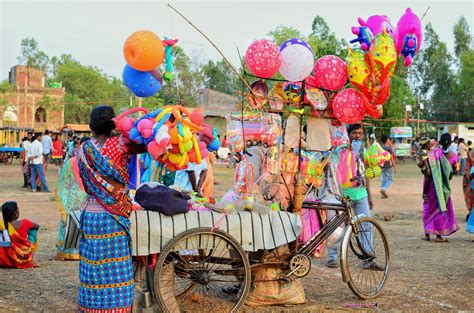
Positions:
(366, 258)
(202, 270)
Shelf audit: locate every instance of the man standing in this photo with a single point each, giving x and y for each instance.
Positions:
(359, 193)
(388, 168)
(47, 143)
(26, 144)
(463, 151)
(36, 163)
(192, 178)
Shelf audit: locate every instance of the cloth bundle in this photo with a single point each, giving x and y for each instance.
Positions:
(160, 198)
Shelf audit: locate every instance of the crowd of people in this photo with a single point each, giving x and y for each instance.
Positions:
(103, 167)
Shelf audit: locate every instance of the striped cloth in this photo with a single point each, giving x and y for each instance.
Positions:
(151, 231)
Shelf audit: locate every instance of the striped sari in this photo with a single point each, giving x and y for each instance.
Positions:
(105, 269)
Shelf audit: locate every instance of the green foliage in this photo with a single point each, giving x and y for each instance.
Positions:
(462, 36)
(219, 76)
(32, 56)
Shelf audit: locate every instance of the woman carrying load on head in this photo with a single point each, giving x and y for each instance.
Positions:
(105, 270)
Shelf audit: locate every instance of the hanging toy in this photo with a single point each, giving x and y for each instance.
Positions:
(364, 37)
(168, 44)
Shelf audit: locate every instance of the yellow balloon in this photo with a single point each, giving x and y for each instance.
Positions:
(359, 71)
(383, 56)
(187, 133)
(176, 158)
(187, 145)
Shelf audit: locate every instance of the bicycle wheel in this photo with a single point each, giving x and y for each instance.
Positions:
(365, 258)
(202, 270)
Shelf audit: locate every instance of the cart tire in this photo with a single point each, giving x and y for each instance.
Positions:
(366, 271)
(205, 263)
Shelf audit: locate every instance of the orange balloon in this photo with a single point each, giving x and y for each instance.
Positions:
(143, 50)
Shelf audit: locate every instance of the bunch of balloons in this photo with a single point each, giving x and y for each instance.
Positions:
(144, 51)
(293, 59)
(371, 65)
(173, 135)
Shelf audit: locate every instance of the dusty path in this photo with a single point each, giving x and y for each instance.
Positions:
(425, 275)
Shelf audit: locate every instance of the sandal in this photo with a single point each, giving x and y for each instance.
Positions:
(441, 240)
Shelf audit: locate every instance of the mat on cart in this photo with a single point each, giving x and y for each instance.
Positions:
(151, 231)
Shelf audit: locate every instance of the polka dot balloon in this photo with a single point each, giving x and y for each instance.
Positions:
(330, 72)
(348, 106)
(263, 58)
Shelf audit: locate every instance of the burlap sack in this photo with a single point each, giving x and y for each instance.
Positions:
(270, 291)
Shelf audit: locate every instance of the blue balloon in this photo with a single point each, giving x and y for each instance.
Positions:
(134, 133)
(141, 84)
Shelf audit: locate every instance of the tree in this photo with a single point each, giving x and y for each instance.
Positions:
(219, 76)
(462, 37)
(32, 56)
(323, 41)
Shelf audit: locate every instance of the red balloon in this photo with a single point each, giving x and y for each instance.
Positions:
(330, 72)
(348, 106)
(263, 58)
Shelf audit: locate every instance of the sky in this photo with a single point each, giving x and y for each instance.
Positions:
(94, 32)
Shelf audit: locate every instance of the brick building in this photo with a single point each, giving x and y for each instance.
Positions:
(216, 106)
(30, 104)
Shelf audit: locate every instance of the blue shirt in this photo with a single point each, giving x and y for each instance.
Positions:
(182, 177)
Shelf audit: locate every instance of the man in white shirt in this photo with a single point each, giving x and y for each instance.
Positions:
(25, 144)
(47, 143)
(35, 158)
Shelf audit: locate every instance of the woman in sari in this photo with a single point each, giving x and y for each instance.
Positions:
(208, 185)
(105, 268)
(438, 212)
(58, 150)
(22, 233)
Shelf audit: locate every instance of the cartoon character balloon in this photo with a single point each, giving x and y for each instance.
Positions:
(364, 37)
(383, 56)
(408, 36)
(330, 72)
(293, 94)
(359, 72)
(348, 106)
(376, 23)
(263, 58)
(296, 60)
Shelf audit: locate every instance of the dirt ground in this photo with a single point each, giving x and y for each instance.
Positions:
(425, 276)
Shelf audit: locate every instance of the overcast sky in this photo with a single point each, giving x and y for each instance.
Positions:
(94, 31)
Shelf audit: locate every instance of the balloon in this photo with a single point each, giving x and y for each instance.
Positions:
(364, 37)
(174, 135)
(155, 150)
(143, 50)
(408, 36)
(330, 72)
(141, 84)
(263, 58)
(156, 73)
(293, 94)
(276, 98)
(187, 146)
(296, 60)
(359, 72)
(376, 23)
(316, 98)
(348, 106)
(146, 133)
(162, 136)
(259, 95)
(383, 56)
(134, 133)
(145, 124)
(372, 172)
(196, 117)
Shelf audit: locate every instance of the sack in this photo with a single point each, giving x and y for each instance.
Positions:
(268, 290)
(162, 199)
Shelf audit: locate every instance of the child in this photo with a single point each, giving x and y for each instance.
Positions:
(22, 238)
(422, 159)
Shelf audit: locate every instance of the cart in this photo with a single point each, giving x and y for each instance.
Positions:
(8, 154)
(205, 259)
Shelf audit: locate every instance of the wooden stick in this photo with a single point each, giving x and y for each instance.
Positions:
(218, 50)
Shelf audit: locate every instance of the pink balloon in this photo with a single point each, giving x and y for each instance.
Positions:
(348, 106)
(146, 133)
(330, 72)
(263, 58)
(145, 124)
(155, 150)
